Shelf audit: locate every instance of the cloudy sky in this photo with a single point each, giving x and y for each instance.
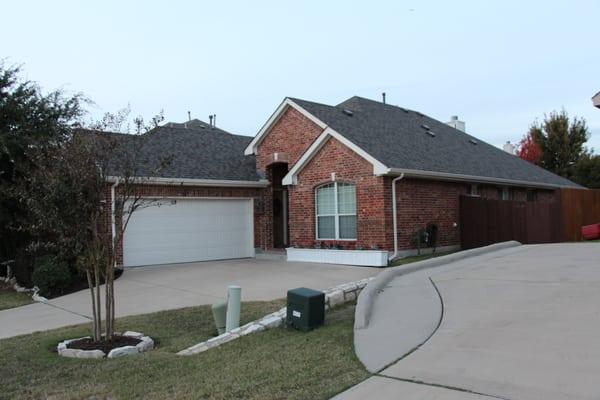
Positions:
(499, 65)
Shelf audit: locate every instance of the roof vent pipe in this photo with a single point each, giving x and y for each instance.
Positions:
(383, 97)
(210, 117)
(189, 115)
(214, 120)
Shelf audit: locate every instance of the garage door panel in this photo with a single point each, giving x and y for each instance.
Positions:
(189, 230)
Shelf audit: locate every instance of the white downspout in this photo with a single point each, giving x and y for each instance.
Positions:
(394, 215)
(113, 220)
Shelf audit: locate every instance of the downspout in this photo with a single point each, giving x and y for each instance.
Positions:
(113, 220)
(394, 215)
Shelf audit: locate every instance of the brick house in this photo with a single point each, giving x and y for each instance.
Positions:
(358, 175)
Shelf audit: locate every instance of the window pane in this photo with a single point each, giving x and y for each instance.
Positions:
(347, 226)
(346, 199)
(326, 200)
(326, 227)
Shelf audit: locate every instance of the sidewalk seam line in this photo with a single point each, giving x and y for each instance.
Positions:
(64, 309)
(437, 385)
(417, 347)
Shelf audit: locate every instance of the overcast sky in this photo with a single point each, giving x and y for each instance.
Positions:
(499, 65)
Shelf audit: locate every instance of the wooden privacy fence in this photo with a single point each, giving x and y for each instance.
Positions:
(578, 208)
(484, 221)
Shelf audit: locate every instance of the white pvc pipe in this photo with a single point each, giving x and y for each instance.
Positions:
(234, 299)
(394, 215)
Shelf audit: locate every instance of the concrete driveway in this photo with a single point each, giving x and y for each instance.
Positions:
(519, 323)
(149, 289)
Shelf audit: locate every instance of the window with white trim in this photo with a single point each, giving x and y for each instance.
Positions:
(336, 211)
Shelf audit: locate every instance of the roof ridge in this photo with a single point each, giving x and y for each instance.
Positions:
(310, 101)
(196, 129)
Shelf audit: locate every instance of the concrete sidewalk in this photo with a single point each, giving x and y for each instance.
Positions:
(520, 323)
(150, 289)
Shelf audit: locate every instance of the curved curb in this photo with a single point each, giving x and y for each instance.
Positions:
(366, 299)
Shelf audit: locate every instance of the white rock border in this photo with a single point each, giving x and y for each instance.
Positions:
(334, 297)
(146, 344)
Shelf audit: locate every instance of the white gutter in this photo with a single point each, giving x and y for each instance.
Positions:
(394, 215)
(195, 182)
(113, 219)
(444, 176)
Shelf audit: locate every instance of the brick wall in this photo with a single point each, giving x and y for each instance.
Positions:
(292, 135)
(420, 202)
(372, 199)
(161, 191)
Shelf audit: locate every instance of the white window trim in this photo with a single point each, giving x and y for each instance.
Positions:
(336, 216)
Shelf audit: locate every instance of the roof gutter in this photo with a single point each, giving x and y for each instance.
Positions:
(194, 182)
(469, 178)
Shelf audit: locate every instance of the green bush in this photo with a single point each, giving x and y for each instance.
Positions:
(52, 277)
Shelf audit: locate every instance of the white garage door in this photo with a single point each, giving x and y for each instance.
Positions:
(185, 230)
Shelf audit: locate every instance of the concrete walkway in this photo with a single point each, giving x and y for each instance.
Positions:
(150, 289)
(520, 323)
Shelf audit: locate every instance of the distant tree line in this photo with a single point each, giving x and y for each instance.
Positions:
(558, 144)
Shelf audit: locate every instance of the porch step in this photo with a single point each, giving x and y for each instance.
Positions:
(271, 254)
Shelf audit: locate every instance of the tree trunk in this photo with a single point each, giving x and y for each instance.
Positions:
(98, 303)
(95, 329)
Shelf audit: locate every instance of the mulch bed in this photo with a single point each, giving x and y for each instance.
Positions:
(105, 346)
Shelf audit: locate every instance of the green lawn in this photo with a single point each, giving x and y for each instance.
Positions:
(408, 260)
(274, 364)
(9, 298)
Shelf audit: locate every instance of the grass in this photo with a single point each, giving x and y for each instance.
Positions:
(412, 259)
(9, 298)
(274, 364)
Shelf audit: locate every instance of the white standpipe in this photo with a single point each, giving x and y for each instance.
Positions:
(234, 299)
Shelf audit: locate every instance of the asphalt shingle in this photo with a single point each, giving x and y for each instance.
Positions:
(398, 138)
(196, 151)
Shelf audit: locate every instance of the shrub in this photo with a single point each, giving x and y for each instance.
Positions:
(52, 277)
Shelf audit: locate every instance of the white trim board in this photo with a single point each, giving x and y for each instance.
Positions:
(192, 182)
(285, 104)
(291, 177)
(444, 176)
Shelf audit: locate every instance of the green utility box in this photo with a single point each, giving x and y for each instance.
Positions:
(305, 309)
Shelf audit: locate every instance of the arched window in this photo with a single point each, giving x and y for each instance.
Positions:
(336, 211)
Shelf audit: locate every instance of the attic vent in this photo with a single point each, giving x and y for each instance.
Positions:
(348, 112)
(472, 141)
(425, 127)
(430, 133)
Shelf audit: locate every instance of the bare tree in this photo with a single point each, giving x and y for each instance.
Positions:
(96, 177)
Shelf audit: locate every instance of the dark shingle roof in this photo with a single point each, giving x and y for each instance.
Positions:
(397, 137)
(195, 152)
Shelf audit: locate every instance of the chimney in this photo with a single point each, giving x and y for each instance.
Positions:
(456, 123)
(383, 96)
(509, 147)
(210, 123)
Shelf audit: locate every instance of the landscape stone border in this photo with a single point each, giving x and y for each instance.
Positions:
(146, 344)
(334, 297)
